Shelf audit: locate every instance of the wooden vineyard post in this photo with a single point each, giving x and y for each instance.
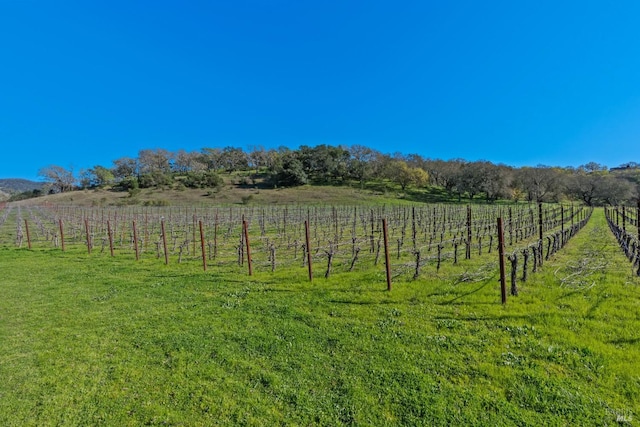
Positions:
(110, 235)
(248, 246)
(61, 234)
(26, 226)
(86, 230)
(387, 264)
(308, 246)
(164, 242)
(135, 241)
(503, 280)
(204, 253)
(638, 219)
(624, 219)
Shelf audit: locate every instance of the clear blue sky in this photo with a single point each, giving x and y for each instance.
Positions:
(516, 82)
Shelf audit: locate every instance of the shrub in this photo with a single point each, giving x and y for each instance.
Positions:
(291, 173)
(156, 203)
(128, 183)
(208, 179)
(155, 179)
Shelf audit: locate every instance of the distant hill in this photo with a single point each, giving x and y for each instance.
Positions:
(17, 185)
(239, 194)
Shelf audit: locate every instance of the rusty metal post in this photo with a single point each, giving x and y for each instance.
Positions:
(308, 246)
(110, 237)
(26, 226)
(204, 253)
(469, 235)
(387, 263)
(135, 240)
(61, 233)
(164, 242)
(86, 229)
(503, 280)
(248, 246)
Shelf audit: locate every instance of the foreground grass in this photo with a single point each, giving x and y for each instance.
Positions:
(94, 340)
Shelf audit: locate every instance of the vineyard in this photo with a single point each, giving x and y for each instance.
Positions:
(619, 218)
(308, 315)
(320, 240)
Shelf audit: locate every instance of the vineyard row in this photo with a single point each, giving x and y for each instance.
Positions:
(347, 238)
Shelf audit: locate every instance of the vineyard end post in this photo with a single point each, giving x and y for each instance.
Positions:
(248, 246)
(308, 243)
(164, 242)
(26, 225)
(387, 264)
(135, 240)
(503, 280)
(61, 234)
(204, 253)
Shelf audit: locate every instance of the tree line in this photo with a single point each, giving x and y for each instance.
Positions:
(592, 183)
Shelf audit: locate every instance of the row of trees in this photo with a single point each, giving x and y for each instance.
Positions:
(357, 165)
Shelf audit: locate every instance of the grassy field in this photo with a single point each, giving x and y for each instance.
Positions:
(233, 192)
(94, 340)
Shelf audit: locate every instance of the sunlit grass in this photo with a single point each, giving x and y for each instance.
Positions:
(90, 340)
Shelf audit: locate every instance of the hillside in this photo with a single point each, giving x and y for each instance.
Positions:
(230, 194)
(233, 192)
(18, 185)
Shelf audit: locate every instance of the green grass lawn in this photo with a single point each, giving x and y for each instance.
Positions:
(94, 340)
